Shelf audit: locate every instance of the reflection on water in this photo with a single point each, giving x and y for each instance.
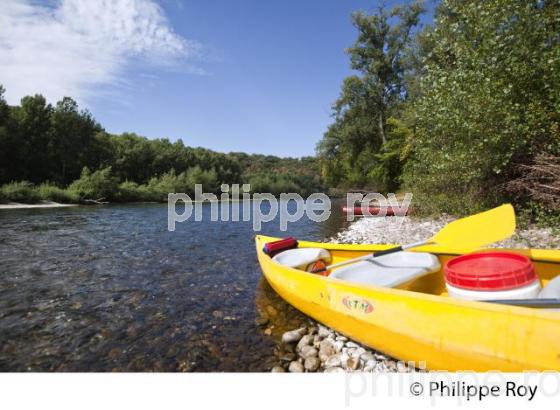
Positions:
(109, 288)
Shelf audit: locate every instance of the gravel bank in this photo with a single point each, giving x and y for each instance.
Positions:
(320, 349)
(409, 229)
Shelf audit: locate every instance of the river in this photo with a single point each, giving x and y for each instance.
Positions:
(109, 288)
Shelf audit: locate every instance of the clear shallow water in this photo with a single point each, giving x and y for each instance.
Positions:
(110, 289)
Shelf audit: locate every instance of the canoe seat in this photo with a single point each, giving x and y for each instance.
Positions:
(389, 270)
(300, 258)
(551, 290)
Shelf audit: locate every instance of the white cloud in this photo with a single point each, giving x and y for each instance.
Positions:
(75, 47)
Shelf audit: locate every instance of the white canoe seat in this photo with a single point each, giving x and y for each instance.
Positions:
(551, 290)
(389, 270)
(300, 258)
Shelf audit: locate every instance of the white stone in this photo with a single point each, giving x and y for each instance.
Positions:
(326, 350)
(338, 345)
(308, 351)
(323, 331)
(306, 340)
(333, 361)
(352, 363)
(334, 370)
(295, 367)
(367, 356)
(311, 364)
(293, 335)
(371, 363)
(357, 352)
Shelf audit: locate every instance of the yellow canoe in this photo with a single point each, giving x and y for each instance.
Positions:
(419, 323)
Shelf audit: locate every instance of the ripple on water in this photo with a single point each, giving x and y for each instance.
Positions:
(110, 289)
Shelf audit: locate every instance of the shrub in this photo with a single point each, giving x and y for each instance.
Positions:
(196, 175)
(54, 193)
(166, 183)
(22, 191)
(131, 192)
(185, 182)
(95, 185)
(274, 184)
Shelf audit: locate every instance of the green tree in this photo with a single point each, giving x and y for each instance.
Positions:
(29, 156)
(489, 99)
(6, 143)
(352, 150)
(379, 54)
(73, 133)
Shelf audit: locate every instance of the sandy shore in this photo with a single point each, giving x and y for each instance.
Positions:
(44, 204)
(320, 349)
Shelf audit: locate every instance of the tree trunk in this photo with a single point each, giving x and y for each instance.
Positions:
(381, 125)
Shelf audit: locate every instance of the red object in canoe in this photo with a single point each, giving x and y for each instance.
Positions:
(375, 211)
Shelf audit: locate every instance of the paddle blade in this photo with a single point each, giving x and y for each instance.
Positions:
(478, 230)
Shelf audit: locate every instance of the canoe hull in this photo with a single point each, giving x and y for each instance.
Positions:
(432, 331)
(375, 211)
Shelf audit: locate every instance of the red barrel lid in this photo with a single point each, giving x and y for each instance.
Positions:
(490, 271)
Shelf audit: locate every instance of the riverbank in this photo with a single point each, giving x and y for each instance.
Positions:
(316, 348)
(44, 204)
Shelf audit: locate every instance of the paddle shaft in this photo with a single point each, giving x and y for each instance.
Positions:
(376, 254)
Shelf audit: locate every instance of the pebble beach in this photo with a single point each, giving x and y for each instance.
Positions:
(316, 348)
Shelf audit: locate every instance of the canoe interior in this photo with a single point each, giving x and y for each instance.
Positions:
(546, 267)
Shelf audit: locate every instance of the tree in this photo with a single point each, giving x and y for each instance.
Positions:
(32, 134)
(353, 149)
(6, 145)
(73, 133)
(489, 99)
(379, 53)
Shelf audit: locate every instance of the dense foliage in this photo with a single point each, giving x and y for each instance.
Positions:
(489, 99)
(476, 102)
(62, 153)
(362, 147)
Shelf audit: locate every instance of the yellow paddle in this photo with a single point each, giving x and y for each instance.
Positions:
(465, 234)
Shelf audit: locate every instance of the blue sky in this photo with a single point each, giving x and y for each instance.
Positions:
(253, 76)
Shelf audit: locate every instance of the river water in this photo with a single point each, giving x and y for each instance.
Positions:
(109, 288)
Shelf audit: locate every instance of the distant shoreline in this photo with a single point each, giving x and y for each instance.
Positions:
(46, 204)
(50, 204)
